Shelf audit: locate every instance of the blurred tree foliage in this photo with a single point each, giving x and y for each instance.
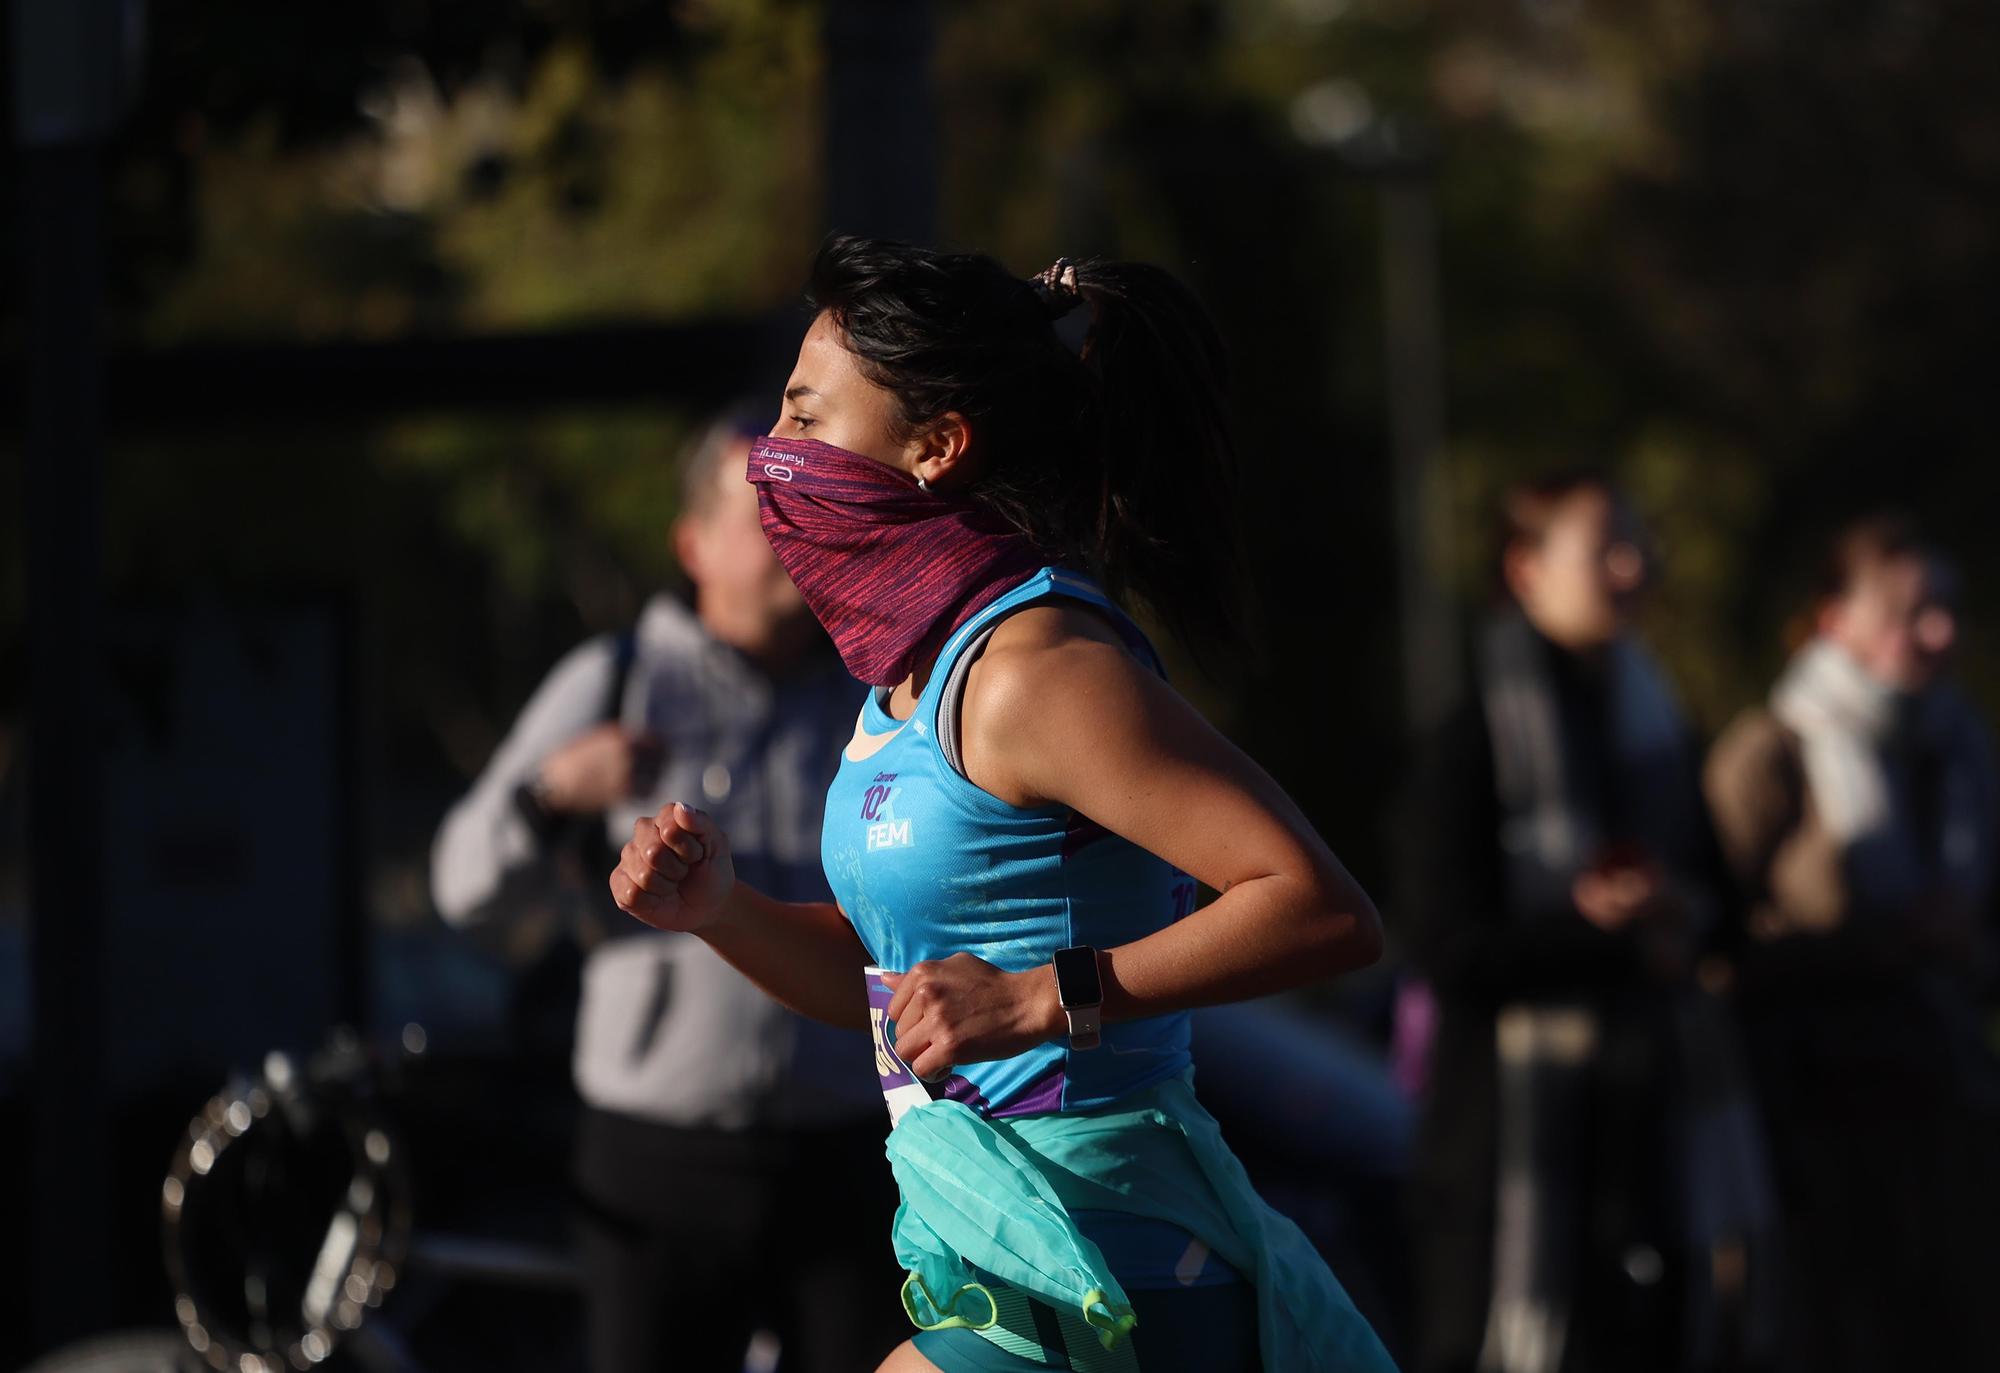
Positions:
(1737, 253)
(539, 187)
(1742, 253)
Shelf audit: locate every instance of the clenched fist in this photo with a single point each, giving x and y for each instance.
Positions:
(675, 872)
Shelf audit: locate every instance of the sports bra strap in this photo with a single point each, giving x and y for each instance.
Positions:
(952, 703)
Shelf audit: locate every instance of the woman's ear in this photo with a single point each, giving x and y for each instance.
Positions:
(943, 451)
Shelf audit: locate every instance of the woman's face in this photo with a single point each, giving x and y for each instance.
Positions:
(828, 399)
(1895, 619)
(1580, 584)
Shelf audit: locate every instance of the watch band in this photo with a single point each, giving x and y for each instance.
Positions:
(1080, 991)
(1085, 1026)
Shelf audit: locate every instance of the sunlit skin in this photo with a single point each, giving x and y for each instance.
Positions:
(742, 598)
(1895, 620)
(1580, 585)
(828, 399)
(1125, 750)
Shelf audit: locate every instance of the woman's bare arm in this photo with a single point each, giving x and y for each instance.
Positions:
(1058, 712)
(676, 874)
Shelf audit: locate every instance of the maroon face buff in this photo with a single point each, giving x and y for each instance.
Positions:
(884, 564)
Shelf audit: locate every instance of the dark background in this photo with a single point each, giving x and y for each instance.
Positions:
(348, 346)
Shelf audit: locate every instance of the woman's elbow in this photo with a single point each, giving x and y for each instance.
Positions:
(1362, 944)
(1352, 927)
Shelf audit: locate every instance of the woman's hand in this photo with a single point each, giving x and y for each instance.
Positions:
(1616, 894)
(675, 873)
(1139, 761)
(962, 1009)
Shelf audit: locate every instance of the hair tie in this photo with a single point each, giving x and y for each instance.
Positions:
(1056, 288)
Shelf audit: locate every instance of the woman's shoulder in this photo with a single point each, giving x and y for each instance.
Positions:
(1050, 645)
(1047, 673)
(1052, 624)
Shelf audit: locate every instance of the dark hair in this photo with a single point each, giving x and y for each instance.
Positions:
(1529, 508)
(1116, 458)
(1862, 546)
(1856, 549)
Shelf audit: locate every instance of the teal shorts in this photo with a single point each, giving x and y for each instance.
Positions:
(1180, 1330)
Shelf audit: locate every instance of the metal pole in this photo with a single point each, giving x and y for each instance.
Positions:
(1412, 339)
(66, 74)
(72, 1219)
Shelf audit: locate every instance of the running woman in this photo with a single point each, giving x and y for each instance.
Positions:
(968, 473)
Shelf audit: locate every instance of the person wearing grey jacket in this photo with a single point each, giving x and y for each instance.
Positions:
(709, 1111)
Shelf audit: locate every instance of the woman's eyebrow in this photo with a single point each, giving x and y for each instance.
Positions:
(798, 391)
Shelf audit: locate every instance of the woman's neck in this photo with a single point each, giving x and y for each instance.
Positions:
(903, 696)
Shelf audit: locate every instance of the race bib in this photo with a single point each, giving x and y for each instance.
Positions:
(900, 1087)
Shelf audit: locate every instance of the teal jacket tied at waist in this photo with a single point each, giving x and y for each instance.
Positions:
(995, 1195)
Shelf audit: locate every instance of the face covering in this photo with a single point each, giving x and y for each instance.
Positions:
(885, 565)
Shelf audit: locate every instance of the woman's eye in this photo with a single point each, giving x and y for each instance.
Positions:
(803, 421)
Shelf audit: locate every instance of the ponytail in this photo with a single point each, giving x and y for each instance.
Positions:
(1115, 458)
(1166, 467)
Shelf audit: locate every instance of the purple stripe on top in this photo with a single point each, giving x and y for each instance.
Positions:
(1039, 1097)
(960, 1089)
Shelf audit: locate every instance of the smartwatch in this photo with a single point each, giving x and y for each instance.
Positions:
(1081, 992)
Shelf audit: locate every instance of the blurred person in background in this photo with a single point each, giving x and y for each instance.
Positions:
(1586, 1184)
(1858, 809)
(1024, 812)
(709, 1111)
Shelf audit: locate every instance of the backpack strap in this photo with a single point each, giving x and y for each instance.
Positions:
(624, 653)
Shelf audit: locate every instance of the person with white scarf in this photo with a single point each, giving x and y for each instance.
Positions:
(1858, 810)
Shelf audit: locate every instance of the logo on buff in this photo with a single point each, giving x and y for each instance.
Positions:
(779, 467)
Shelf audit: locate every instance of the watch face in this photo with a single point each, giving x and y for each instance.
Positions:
(1076, 977)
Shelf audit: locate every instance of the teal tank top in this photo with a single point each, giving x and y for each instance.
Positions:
(927, 865)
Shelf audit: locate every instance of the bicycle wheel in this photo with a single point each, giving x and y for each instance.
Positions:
(127, 1351)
